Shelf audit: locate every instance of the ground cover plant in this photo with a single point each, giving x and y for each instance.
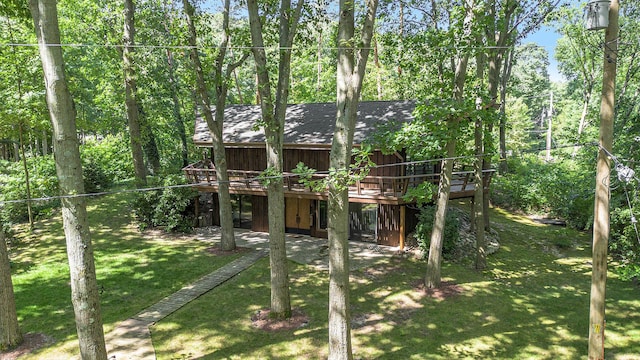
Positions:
(134, 271)
(531, 303)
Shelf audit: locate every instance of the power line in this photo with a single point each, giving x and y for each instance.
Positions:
(263, 178)
(234, 47)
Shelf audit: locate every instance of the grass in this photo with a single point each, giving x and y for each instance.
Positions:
(531, 303)
(133, 270)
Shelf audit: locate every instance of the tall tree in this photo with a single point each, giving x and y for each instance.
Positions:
(578, 58)
(131, 90)
(216, 124)
(433, 278)
(353, 53)
(507, 21)
(273, 116)
(478, 196)
(174, 89)
(84, 289)
(10, 334)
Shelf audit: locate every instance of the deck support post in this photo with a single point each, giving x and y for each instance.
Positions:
(403, 211)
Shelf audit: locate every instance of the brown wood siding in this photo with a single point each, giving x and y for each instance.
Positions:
(313, 158)
(381, 159)
(389, 225)
(259, 214)
(252, 159)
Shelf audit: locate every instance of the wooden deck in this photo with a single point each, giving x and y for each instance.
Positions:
(371, 189)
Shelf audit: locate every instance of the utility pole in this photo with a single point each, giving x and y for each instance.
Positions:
(550, 117)
(601, 206)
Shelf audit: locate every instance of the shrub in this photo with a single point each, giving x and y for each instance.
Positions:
(560, 189)
(451, 231)
(170, 207)
(43, 183)
(624, 243)
(106, 161)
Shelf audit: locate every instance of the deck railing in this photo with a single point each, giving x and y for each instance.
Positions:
(204, 174)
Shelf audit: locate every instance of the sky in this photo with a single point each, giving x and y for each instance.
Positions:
(547, 37)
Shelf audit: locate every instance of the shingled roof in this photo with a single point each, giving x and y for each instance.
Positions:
(305, 124)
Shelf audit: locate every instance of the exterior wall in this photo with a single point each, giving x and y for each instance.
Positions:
(301, 214)
(254, 159)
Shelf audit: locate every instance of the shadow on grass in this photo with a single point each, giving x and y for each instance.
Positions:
(133, 271)
(532, 302)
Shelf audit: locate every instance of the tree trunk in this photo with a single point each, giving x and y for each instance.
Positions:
(274, 117)
(601, 221)
(432, 278)
(227, 241)
(504, 80)
(45, 143)
(26, 176)
(478, 195)
(131, 103)
(376, 61)
(149, 144)
(175, 87)
(179, 121)
(10, 334)
(350, 75)
(84, 290)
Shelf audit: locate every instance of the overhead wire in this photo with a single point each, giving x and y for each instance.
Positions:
(625, 175)
(263, 178)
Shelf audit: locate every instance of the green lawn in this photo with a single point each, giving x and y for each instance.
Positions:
(532, 302)
(134, 271)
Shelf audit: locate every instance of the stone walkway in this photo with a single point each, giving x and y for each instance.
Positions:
(131, 339)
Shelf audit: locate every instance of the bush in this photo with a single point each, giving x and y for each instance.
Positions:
(561, 189)
(170, 208)
(624, 243)
(106, 161)
(451, 231)
(43, 183)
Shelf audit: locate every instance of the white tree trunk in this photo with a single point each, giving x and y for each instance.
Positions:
(84, 290)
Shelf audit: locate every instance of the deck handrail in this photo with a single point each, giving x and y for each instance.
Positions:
(203, 173)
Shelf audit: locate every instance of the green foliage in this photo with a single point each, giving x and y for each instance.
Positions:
(338, 178)
(106, 162)
(170, 207)
(43, 183)
(624, 243)
(451, 233)
(557, 189)
(269, 176)
(422, 194)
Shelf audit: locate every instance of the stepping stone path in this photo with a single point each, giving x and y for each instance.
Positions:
(131, 339)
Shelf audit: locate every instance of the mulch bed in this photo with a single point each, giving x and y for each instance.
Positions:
(215, 250)
(262, 321)
(31, 342)
(446, 290)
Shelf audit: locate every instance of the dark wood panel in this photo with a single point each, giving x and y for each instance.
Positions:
(259, 214)
(389, 225)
